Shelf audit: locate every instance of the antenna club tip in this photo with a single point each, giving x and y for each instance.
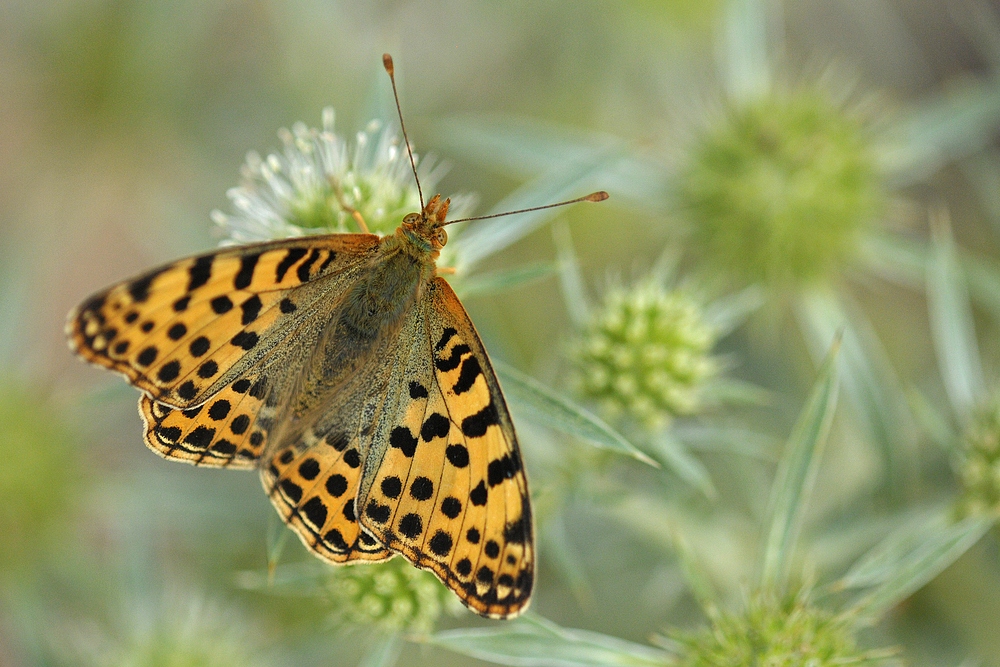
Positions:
(387, 63)
(597, 196)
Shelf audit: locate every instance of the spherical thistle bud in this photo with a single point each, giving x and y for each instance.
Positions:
(645, 354)
(782, 189)
(979, 463)
(391, 596)
(320, 182)
(790, 633)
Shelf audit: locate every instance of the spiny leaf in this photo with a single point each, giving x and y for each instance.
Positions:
(951, 321)
(899, 572)
(796, 474)
(534, 641)
(497, 281)
(557, 411)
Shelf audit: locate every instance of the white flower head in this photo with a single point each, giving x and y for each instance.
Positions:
(319, 180)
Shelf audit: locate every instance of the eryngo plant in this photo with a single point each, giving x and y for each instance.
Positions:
(780, 621)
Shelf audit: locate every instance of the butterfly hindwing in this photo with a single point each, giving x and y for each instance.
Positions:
(313, 485)
(448, 490)
(228, 430)
(186, 330)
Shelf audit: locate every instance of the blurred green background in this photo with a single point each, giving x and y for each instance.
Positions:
(124, 122)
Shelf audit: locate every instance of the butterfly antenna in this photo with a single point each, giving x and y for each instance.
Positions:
(593, 197)
(387, 63)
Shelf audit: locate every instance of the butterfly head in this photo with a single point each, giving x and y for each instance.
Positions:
(425, 227)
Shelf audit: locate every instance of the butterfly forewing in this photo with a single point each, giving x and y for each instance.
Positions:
(185, 330)
(448, 490)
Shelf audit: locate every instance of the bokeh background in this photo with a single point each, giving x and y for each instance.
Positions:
(123, 123)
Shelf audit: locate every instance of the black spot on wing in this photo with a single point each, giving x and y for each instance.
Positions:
(292, 490)
(391, 487)
(177, 331)
(200, 438)
(445, 337)
(245, 276)
(303, 270)
(221, 304)
(251, 308)
(451, 507)
(200, 272)
(293, 255)
(503, 468)
(478, 495)
(475, 426)
(139, 289)
(435, 426)
(245, 339)
(422, 488)
(516, 531)
(457, 455)
(377, 512)
(199, 346)
(335, 539)
(470, 371)
(336, 485)
(417, 390)
(315, 511)
(452, 362)
(169, 371)
(147, 356)
(440, 544)
(403, 440)
(411, 525)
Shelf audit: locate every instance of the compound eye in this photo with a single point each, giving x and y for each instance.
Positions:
(411, 218)
(442, 236)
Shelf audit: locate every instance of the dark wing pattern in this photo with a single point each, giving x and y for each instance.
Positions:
(443, 483)
(184, 331)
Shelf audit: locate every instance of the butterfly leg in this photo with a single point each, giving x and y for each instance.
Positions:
(358, 218)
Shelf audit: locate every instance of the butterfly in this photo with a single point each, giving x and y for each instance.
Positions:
(346, 371)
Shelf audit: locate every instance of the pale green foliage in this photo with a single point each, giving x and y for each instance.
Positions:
(770, 632)
(36, 487)
(645, 354)
(391, 596)
(780, 189)
(183, 631)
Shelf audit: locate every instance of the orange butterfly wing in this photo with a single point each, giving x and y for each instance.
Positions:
(443, 483)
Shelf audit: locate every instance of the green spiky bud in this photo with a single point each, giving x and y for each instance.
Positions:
(645, 354)
(979, 467)
(781, 189)
(789, 633)
(319, 179)
(391, 596)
